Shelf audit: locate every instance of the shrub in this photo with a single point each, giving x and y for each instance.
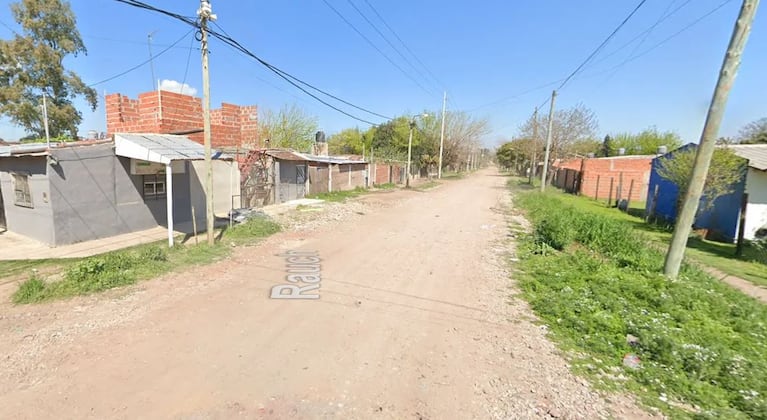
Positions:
(30, 290)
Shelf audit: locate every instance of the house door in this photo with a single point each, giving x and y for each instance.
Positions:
(300, 181)
(3, 225)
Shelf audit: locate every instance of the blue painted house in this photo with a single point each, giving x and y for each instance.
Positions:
(723, 218)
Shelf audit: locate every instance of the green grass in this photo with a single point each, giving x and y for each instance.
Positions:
(386, 186)
(128, 266)
(453, 175)
(339, 196)
(751, 266)
(593, 279)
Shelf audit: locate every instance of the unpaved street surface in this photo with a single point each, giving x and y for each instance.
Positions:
(416, 319)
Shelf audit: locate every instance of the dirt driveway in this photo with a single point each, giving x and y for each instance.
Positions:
(416, 320)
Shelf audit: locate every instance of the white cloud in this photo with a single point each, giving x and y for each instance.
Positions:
(178, 87)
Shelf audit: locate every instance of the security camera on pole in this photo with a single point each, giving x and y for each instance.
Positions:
(410, 146)
(205, 14)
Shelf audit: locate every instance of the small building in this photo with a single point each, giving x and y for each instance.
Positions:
(273, 176)
(82, 191)
(723, 219)
(601, 178)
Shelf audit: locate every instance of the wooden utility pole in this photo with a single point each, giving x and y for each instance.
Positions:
(442, 136)
(727, 74)
(205, 14)
(548, 142)
(534, 145)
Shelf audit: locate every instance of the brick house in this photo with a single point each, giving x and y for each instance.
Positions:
(593, 177)
(163, 112)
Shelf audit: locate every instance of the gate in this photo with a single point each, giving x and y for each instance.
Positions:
(3, 224)
(300, 181)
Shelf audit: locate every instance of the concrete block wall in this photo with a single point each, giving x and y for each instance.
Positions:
(169, 112)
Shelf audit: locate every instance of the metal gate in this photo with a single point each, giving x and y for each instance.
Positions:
(3, 224)
(300, 181)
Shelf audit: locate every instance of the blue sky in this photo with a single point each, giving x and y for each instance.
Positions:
(482, 53)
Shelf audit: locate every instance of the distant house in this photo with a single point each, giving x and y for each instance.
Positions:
(81, 191)
(722, 220)
(600, 178)
(273, 176)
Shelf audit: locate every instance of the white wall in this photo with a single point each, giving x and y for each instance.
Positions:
(226, 183)
(756, 212)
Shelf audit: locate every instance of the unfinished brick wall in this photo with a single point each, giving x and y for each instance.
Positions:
(166, 112)
(625, 168)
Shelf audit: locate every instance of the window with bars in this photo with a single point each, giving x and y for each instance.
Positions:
(23, 196)
(154, 186)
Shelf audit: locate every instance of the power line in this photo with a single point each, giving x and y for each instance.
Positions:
(375, 47)
(284, 75)
(188, 59)
(404, 44)
(385, 38)
(143, 63)
(597, 50)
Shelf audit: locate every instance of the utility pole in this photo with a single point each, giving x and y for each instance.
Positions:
(727, 74)
(534, 145)
(205, 13)
(151, 58)
(442, 136)
(409, 149)
(45, 122)
(548, 141)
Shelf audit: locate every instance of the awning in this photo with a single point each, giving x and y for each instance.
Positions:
(162, 148)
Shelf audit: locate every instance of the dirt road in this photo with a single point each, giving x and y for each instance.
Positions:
(416, 320)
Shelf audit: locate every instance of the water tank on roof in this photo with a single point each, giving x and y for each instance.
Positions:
(662, 150)
(319, 137)
(621, 151)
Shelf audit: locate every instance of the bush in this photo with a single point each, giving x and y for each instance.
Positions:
(30, 290)
(700, 342)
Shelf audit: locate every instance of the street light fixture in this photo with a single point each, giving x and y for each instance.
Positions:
(410, 146)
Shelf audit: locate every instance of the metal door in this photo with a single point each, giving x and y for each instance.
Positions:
(3, 224)
(300, 181)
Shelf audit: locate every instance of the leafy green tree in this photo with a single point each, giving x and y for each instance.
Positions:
(32, 64)
(291, 128)
(725, 171)
(347, 141)
(646, 142)
(754, 132)
(505, 155)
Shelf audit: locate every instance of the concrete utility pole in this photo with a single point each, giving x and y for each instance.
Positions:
(45, 122)
(410, 147)
(727, 74)
(548, 142)
(205, 13)
(534, 145)
(442, 135)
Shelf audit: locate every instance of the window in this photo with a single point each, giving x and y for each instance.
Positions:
(154, 186)
(23, 197)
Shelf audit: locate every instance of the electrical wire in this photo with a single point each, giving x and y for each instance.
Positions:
(143, 63)
(404, 44)
(385, 38)
(284, 75)
(188, 60)
(375, 47)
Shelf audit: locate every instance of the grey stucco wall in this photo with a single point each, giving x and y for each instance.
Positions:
(95, 196)
(226, 183)
(35, 222)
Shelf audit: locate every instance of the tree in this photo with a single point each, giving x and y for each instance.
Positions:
(754, 132)
(505, 155)
(607, 147)
(31, 64)
(726, 170)
(646, 142)
(290, 128)
(569, 127)
(347, 141)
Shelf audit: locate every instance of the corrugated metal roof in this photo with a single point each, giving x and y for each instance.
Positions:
(331, 159)
(755, 153)
(286, 155)
(161, 148)
(23, 149)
